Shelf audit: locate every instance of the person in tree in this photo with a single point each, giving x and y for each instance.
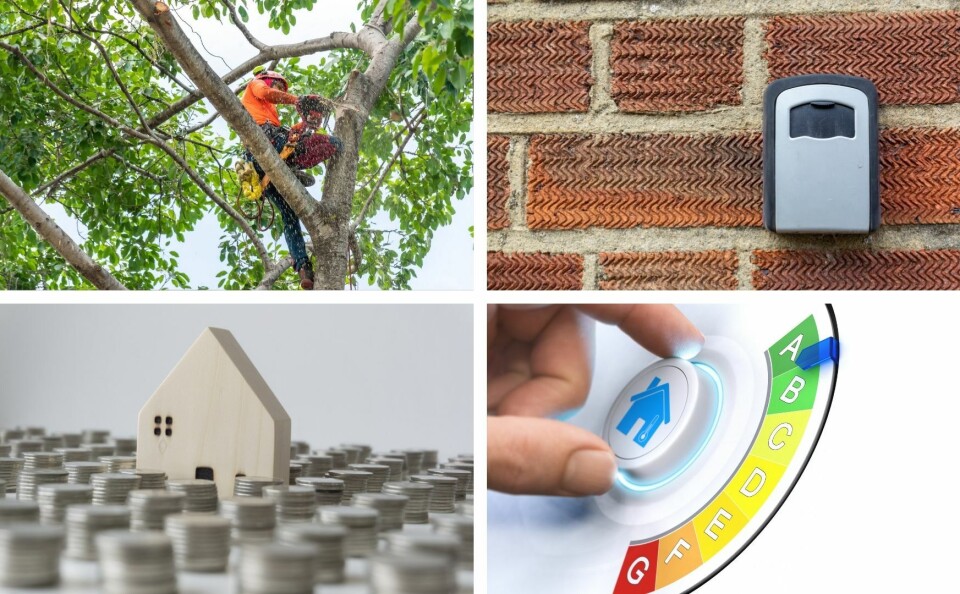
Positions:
(260, 98)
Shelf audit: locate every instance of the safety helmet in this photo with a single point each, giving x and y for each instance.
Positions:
(270, 74)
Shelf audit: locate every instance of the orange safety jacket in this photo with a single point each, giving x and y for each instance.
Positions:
(260, 100)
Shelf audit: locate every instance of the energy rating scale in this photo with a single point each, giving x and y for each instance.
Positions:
(708, 450)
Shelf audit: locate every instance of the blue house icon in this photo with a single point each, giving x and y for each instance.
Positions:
(653, 406)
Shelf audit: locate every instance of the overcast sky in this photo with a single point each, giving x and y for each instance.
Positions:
(449, 265)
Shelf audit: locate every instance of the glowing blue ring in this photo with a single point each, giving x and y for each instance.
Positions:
(624, 479)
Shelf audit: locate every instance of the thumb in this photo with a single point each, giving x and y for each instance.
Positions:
(546, 457)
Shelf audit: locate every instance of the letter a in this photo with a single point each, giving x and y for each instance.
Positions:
(793, 347)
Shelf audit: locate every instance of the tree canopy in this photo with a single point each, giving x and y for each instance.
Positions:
(109, 115)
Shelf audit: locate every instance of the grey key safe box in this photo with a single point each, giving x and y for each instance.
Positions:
(820, 155)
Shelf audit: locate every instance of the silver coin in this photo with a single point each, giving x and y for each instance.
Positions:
(30, 555)
(84, 522)
(329, 541)
(419, 494)
(444, 495)
(201, 494)
(390, 507)
(412, 574)
(200, 542)
(361, 524)
(136, 563)
(275, 568)
(54, 499)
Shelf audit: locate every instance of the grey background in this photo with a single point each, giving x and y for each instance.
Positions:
(393, 376)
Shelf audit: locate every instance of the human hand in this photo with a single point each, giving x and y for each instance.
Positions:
(539, 362)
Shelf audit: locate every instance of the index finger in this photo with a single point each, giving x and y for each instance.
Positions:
(661, 329)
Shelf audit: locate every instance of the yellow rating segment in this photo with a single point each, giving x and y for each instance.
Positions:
(717, 524)
(753, 483)
(779, 436)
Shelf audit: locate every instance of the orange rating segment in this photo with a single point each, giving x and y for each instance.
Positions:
(679, 555)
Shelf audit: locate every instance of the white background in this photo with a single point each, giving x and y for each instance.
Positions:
(392, 376)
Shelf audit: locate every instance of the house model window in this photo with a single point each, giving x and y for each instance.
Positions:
(228, 421)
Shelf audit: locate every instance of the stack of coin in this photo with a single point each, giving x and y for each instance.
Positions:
(21, 446)
(54, 499)
(339, 458)
(252, 486)
(148, 508)
(294, 504)
(298, 448)
(468, 466)
(329, 490)
(380, 472)
(430, 458)
(320, 464)
(462, 476)
(419, 494)
(394, 464)
(201, 494)
(8, 435)
(118, 463)
(75, 454)
(125, 446)
(412, 574)
(414, 460)
(72, 440)
(354, 481)
(84, 522)
(461, 527)
(34, 460)
(444, 495)
(361, 525)
(51, 442)
(424, 543)
(296, 471)
(5, 450)
(200, 542)
(98, 449)
(30, 555)
(13, 511)
(465, 508)
(274, 568)
(390, 507)
(10, 471)
(354, 454)
(468, 458)
(79, 473)
(31, 479)
(252, 519)
(113, 487)
(364, 449)
(328, 539)
(136, 563)
(95, 436)
(3, 489)
(396, 456)
(149, 478)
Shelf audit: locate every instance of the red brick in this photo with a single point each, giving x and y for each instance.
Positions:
(920, 175)
(662, 180)
(527, 272)
(669, 270)
(538, 66)
(857, 269)
(498, 183)
(677, 65)
(913, 58)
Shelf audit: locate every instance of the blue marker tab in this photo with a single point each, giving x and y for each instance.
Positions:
(827, 349)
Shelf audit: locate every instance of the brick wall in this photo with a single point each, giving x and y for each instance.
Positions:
(625, 147)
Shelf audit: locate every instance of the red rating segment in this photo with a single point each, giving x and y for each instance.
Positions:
(639, 572)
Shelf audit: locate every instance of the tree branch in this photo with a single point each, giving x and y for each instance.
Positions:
(55, 182)
(243, 28)
(261, 249)
(386, 170)
(56, 237)
(273, 274)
